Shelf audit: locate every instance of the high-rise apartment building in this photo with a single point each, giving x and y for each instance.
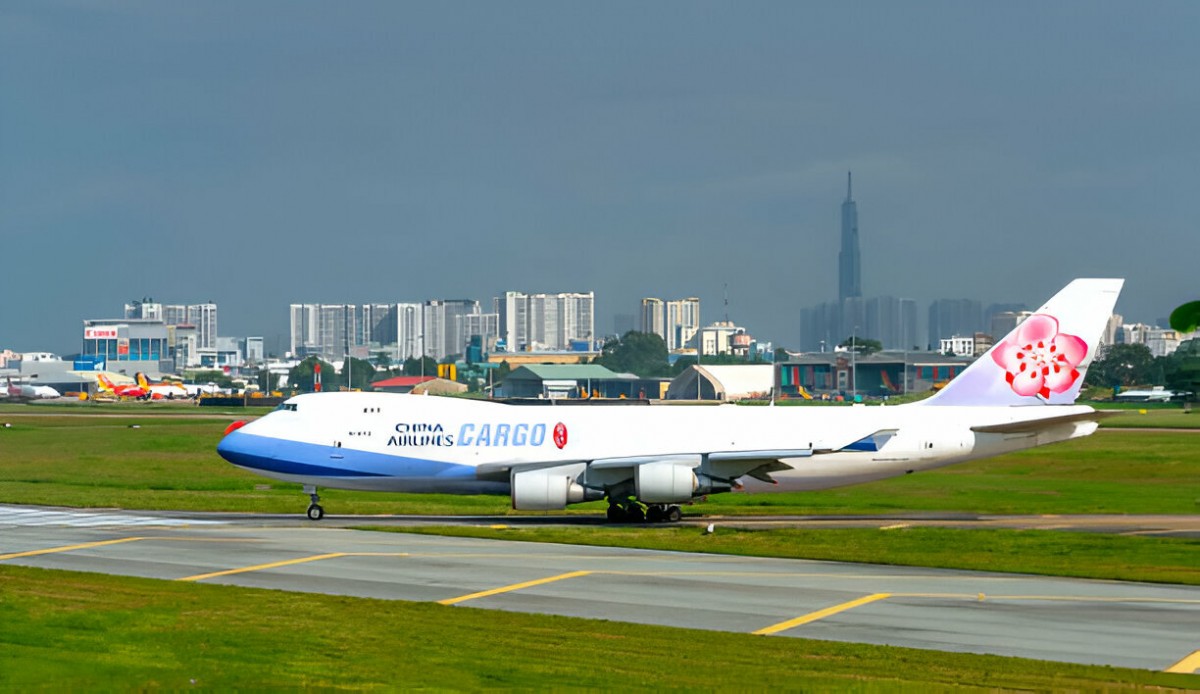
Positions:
(437, 328)
(676, 322)
(654, 316)
(202, 316)
(442, 326)
(892, 321)
(325, 330)
(546, 322)
(951, 317)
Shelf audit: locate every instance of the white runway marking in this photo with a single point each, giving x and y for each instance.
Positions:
(26, 517)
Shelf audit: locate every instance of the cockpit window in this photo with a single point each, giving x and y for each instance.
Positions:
(288, 406)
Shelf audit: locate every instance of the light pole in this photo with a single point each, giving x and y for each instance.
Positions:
(853, 365)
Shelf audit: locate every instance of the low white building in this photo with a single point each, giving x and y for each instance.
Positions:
(723, 337)
(725, 382)
(957, 345)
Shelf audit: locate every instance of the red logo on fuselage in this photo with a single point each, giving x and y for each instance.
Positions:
(560, 435)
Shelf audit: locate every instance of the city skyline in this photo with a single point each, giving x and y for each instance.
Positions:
(257, 155)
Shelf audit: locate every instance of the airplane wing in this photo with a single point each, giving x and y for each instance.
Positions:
(724, 466)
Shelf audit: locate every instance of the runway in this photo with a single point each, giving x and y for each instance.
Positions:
(1069, 620)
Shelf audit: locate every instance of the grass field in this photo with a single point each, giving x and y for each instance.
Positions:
(171, 463)
(1042, 552)
(68, 631)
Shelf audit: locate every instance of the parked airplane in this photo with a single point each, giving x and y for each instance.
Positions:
(26, 391)
(121, 391)
(647, 460)
(160, 389)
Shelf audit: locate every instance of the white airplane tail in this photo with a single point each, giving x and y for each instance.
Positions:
(1043, 361)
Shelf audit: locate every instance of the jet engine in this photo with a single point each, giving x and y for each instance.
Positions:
(664, 483)
(549, 489)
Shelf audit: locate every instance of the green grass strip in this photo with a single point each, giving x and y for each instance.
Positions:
(66, 631)
(1042, 552)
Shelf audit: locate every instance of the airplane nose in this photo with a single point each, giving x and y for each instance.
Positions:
(246, 449)
(228, 447)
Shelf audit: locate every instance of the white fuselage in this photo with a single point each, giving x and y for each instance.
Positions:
(417, 443)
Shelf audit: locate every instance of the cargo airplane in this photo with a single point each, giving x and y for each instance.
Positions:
(647, 460)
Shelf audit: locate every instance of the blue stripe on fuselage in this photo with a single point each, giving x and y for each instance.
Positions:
(296, 458)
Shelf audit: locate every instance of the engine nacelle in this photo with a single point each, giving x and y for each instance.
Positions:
(664, 483)
(549, 489)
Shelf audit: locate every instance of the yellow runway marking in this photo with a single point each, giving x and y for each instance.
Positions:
(260, 567)
(68, 548)
(896, 526)
(1188, 665)
(515, 586)
(820, 614)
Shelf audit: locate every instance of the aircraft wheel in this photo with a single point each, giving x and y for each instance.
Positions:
(636, 514)
(654, 514)
(674, 514)
(315, 512)
(616, 514)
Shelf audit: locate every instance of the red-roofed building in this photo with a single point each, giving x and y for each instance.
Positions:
(400, 384)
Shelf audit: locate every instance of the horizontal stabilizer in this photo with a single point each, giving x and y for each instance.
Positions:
(762, 473)
(1030, 426)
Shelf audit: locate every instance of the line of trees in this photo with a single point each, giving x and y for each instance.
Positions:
(1123, 366)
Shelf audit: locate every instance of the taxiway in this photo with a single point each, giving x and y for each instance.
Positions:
(1069, 620)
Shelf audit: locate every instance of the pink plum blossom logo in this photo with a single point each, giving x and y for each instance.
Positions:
(1039, 360)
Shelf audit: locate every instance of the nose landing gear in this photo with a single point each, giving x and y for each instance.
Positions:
(315, 512)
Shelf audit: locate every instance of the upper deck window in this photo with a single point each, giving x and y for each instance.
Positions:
(288, 406)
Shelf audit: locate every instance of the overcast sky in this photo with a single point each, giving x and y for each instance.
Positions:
(262, 153)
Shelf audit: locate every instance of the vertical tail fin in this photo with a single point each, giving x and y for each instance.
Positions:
(1042, 361)
(104, 382)
(141, 379)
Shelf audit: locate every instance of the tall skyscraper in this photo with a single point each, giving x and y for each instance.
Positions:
(849, 261)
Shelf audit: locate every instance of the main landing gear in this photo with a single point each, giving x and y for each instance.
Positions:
(315, 512)
(632, 511)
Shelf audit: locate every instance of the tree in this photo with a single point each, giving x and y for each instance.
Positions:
(644, 354)
(1122, 365)
(1186, 318)
(301, 375)
(425, 366)
(215, 376)
(862, 345)
(266, 380)
(383, 361)
(360, 373)
(1182, 368)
